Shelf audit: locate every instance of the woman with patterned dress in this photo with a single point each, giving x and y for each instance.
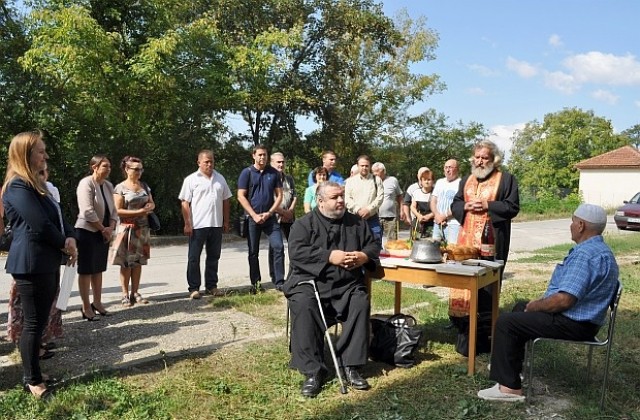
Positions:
(131, 248)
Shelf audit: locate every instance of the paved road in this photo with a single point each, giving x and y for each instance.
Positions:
(530, 236)
(164, 277)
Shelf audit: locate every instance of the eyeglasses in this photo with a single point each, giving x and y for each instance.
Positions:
(135, 169)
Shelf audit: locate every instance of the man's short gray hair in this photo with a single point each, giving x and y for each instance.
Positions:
(378, 166)
(324, 185)
(277, 154)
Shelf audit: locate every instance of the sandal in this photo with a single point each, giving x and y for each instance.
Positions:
(126, 302)
(46, 355)
(48, 346)
(137, 297)
(44, 396)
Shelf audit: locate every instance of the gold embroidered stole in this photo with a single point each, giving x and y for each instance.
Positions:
(471, 232)
(471, 229)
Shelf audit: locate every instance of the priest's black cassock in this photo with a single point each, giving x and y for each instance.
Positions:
(505, 207)
(343, 292)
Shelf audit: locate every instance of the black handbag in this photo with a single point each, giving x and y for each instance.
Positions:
(154, 221)
(6, 238)
(152, 218)
(395, 339)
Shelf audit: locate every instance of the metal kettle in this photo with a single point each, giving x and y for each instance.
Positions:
(426, 251)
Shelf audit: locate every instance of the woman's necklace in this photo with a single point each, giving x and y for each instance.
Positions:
(132, 185)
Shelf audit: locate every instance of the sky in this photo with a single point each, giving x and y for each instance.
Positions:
(509, 62)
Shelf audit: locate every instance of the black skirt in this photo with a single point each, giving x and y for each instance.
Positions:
(92, 252)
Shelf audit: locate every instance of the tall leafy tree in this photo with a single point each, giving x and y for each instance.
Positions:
(363, 78)
(428, 139)
(145, 78)
(634, 134)
(545, 153)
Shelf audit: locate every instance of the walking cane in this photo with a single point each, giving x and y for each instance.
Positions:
(343, 388)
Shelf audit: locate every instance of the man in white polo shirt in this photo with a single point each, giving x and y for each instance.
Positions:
(205, 209)
(446, 226)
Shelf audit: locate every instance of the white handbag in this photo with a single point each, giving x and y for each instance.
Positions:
(68, 278)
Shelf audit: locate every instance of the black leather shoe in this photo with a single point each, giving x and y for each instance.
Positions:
(354, 378)
(312, 386)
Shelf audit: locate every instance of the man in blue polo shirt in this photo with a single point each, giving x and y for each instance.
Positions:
(329, 159)
(260, 195)
(574, 307)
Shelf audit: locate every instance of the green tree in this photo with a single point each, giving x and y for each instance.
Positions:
(428, 139)
(129, 79)
(544, 154)
(363, 75)
(633, 133)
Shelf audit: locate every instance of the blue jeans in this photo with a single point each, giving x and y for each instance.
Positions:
(272, 229)
(211, 238)
(376, 228)
(450, 232)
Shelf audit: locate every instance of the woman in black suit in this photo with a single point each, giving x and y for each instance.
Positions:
(40, 238)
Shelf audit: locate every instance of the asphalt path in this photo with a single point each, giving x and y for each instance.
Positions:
(529, 236)
(164, 276)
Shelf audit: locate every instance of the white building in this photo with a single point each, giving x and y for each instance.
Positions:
(610, 178)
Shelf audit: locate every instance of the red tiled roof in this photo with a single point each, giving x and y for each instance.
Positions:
(624, 157)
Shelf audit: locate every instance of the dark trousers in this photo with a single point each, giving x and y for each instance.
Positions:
(514, 329)
(285, 228)
(211, 239)
(376, 228)
(307, 330)
(271, 228)
(37, 292)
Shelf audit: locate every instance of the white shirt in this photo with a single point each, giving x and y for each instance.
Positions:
(206, 197)
(53, 190)
(445, 191)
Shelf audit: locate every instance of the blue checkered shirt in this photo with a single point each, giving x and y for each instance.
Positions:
(590, 273)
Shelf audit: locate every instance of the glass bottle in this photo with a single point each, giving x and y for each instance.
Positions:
(488, 241)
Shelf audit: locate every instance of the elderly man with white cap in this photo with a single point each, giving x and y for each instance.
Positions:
(574, 307)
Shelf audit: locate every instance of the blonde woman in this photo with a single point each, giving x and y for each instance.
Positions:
(96, 222)
(134, 203)
(40, 238)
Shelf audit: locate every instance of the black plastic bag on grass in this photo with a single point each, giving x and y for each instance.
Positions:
(395, 338)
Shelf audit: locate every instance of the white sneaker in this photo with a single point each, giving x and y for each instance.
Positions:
(195, 295)
(494, 394)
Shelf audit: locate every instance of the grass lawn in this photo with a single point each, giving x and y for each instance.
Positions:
(253, 381)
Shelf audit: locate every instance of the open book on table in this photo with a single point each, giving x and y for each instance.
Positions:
(484, 263)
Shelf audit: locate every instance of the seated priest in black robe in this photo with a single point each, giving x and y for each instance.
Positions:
(331, 248)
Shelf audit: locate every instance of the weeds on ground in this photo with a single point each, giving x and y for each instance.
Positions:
(254, 381)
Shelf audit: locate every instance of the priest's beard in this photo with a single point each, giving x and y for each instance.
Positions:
(482, 173)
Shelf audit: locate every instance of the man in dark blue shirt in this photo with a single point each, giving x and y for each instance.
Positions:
(260, 194)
